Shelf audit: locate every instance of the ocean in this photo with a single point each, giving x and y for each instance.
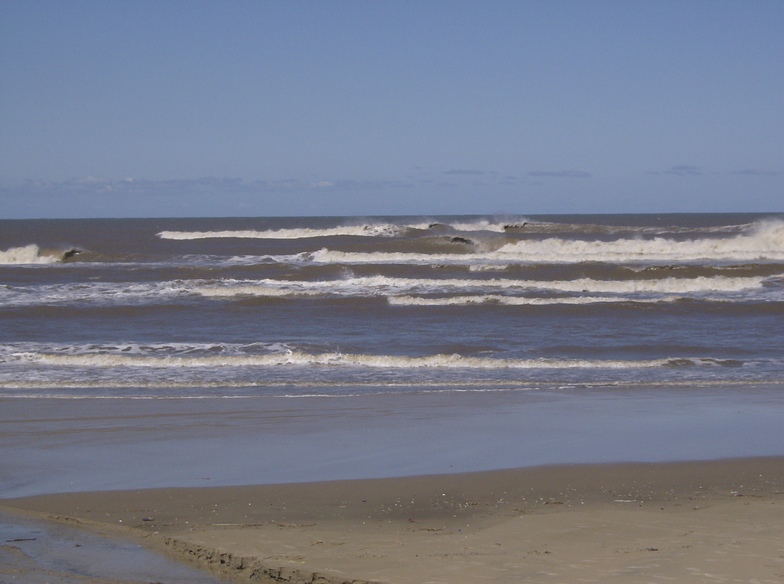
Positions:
(396, 315)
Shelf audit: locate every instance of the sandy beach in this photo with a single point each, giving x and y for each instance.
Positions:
(715, 521)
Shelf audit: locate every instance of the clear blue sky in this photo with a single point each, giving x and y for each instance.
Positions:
(192, 108)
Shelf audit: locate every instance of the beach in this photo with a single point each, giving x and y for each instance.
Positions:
(714, 521)
(173, 476)
(339, 293)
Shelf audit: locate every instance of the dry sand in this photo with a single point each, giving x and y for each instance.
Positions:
(717, 521)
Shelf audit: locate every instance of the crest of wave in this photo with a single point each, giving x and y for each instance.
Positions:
(29, 254)
(769, 232)
(437, 361)
(369, 230)
(482, 225)
(765, 241)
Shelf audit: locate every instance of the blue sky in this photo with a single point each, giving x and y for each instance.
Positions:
(253, 108)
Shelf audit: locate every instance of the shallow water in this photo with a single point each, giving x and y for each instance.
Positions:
(76, 445)
(33, 552)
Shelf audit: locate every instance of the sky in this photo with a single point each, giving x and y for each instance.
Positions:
(272, 108)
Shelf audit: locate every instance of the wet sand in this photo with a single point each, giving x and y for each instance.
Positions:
(587, 516)
(715, 521)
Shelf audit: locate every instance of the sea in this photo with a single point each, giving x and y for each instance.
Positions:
(244, 314)
(194, 308)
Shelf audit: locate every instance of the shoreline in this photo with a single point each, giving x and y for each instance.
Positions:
(693, 521)
(54, 445)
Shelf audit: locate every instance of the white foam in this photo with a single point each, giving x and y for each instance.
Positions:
(104, 293)
(250, 290)
(124, 293)
(40, 352)
(511, 300)
(364, 230)
(384, 285)
(162, 356)
(369, 230)
(479, 226)
(763, 242)
(29, 254)
(488, 268)
(297, 358)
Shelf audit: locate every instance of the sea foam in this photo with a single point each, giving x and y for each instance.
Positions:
(371, 230)
(363, 230)
(297, 358)
(762, 242)
(28, 254)
(385, 285)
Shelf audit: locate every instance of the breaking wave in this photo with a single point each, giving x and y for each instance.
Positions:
(763, 242)
(364, 230)
(586, 290)
(384, 285)
(514, 300)
(371, 230)
(161, 358)
(30, 254)
(94, 293)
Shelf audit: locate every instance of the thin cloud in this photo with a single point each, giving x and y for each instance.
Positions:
(464, 171)
(680, 170)
(444, 184)
(690, 170)
(207, 185)
(322, 184)
(358, 185)
(559, 174)
(757, 172)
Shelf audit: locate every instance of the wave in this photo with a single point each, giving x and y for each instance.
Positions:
(485, 225)
(363, 230)
(605, 230)
(177, 291)
(515, 300)
(94, 293)
(341, 360)
(24, 351)
(763, 242)
(559, 251)
(32, 254)
(385, 285)
(368, 230)
(155, 389)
